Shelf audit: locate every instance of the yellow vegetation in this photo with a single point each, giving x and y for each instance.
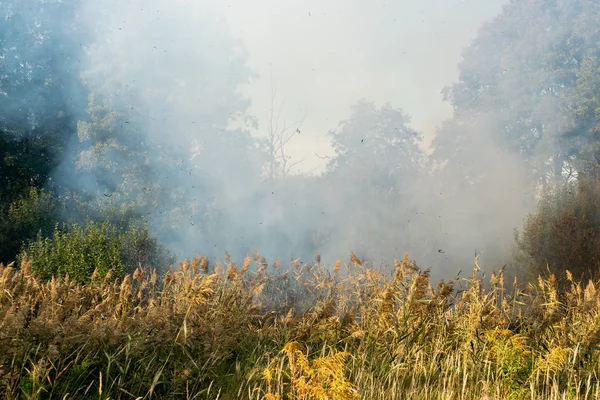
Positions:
(298, 332)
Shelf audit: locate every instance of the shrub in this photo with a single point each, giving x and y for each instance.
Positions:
(23, 219)
(79, 250)
(564, 233)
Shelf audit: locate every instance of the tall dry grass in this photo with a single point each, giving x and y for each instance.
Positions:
(256, 331)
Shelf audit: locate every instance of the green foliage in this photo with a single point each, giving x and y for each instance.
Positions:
(564, 232)
(80, 250)
(532, 75)
(25, 162)
(23, 219)
(511, 356)
(40, 102)
(40, 91)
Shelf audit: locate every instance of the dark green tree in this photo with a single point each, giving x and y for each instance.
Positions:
(564, 232)
(40, 103)
(532, 76)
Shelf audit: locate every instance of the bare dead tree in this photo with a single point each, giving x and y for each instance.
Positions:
(280, 134)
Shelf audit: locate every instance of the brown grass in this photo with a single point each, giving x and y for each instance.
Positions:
(304, 332)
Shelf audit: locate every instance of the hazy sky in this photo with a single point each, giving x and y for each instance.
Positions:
(324, 55)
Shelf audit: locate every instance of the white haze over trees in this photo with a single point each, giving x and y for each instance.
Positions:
(286, 128)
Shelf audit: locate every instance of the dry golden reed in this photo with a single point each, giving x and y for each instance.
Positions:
(300, 333)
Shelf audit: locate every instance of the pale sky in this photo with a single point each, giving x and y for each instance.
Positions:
(325, 55)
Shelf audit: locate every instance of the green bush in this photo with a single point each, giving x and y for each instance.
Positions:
(20, 221)
(78, 250)
(564, 233)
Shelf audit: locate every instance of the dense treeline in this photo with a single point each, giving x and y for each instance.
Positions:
(88, 141)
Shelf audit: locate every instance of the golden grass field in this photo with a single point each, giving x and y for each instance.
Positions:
(257, 331)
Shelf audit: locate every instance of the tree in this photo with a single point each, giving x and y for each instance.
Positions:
(39, 90)
(279, 135)
(526, 122)
(564, 232)
(377, 166)
(530, 74)
(159, 136)
(40, 98)
(376, 145)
